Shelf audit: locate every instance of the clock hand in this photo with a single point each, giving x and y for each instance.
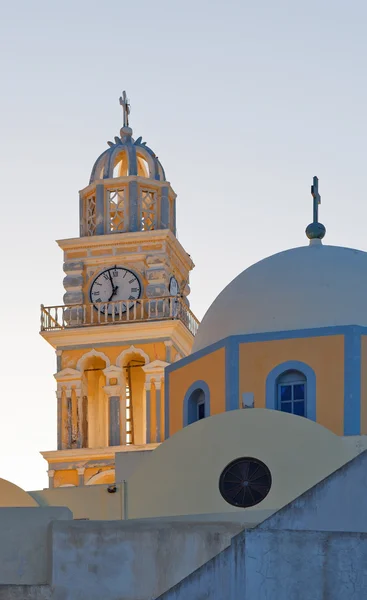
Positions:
(113, 293)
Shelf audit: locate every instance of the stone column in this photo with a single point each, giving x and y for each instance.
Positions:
(147, 403)
(78, 433)
(116, 406)
(133, 206)
(68, 393)
(50, 474)
(158, 409)
(58, 359)
(153, 371)
(168, 344)
(165, 212)
(100, 212)
(59, 417)
(114, 414)
(80, 471)
(69, 416)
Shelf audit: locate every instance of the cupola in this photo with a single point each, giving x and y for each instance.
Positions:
(127, 190)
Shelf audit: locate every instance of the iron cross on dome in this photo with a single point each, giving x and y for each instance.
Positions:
(316, 199)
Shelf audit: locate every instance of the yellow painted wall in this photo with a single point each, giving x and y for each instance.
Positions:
(209, 368)
(90, 472)
(325, 355)
(66, 477)
(364, 384)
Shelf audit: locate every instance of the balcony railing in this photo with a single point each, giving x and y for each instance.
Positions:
(124, 311)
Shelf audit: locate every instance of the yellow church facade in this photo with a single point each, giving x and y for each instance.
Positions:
(134, 368)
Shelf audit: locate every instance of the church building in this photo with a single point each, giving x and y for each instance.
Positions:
(225, 459)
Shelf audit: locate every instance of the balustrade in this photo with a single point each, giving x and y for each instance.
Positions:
(124, 311)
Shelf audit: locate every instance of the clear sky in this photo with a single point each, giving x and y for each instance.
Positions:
(242, 101)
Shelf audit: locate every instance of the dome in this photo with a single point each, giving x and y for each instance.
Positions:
(301, 288)
(126, 156)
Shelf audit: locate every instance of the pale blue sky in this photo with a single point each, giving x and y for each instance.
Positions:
(242, 101)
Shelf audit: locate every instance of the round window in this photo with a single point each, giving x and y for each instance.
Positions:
(245, 482)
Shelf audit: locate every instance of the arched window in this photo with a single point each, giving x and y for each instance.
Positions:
(292, 393)
(196, 403)
(292, 382)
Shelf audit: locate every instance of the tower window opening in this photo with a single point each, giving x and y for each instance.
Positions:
(196, 405)
(201, 410)
(132, 395)
(90, 215)
(148, 210)
(291, 389)
(116, 205)
(143, 167)
(120, 168)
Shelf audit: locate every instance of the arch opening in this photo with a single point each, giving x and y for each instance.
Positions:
(121, 165)
(196, 403)
(95, 405)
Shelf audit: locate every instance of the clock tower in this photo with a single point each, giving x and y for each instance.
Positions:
(125, 315)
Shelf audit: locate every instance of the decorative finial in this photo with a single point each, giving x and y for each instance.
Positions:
(315, 230)
(125, 107)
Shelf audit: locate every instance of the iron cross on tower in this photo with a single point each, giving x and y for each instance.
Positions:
(316, 199)
(125, 107)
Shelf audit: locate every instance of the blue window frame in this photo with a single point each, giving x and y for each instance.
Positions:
(292, 393)
(196, 405)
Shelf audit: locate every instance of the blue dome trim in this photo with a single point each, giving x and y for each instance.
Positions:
(104, 165)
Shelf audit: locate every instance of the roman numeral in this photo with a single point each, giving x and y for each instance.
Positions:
(131, 280)
(134, 289)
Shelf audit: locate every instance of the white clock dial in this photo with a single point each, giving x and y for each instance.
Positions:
(115, 284)
(173, 286)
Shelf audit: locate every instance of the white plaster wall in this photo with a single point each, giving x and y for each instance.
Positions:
(130, 560)
(182, 474)
(282, 565)
(24, 543)
(127, 462)
(338, 503)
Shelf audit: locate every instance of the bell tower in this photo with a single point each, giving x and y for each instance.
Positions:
(125, 315)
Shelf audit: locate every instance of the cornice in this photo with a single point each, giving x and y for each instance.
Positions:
(116, 181)
(119, 332)
(126, 239)
(55, 456)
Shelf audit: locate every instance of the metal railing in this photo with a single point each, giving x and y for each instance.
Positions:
(124, 311)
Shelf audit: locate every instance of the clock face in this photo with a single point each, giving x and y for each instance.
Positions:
(173, 286)
(113, 285)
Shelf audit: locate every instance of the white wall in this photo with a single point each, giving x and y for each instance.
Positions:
(24, 543)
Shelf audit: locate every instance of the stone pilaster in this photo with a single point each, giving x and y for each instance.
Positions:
(51, 474)
(73, 283)
(168, 344)
(80, 471)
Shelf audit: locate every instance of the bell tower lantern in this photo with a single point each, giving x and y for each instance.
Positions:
(125, 315)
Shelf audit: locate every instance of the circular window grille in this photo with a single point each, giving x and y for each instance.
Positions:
(245, 482)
